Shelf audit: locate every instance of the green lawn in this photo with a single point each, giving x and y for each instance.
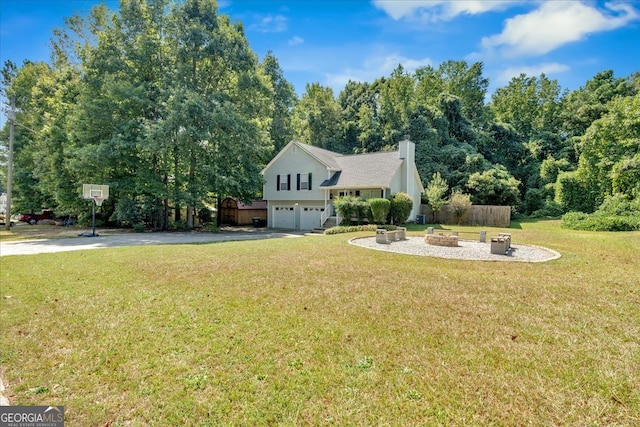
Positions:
(314, 331)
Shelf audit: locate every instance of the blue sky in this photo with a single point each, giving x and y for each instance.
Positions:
(332, 41)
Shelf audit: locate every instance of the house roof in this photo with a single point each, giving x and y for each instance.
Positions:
(326, 157)
(374, 170)
(365, 170)
(254, 204)
(235, 203)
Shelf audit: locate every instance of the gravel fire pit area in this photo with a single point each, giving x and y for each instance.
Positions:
(466, 250)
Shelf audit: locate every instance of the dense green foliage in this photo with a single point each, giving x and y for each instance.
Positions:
(165, 102)
(400, 208)
(435, 193)
(346, 207)
(339, 229)
(396, 209)
(459, 203)
(617, 213)
(379, 209)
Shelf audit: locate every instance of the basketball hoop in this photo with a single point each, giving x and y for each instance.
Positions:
(98, 193)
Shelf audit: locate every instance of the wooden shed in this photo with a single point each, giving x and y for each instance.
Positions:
(235, 212)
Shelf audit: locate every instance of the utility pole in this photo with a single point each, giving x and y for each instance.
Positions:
(11, 116)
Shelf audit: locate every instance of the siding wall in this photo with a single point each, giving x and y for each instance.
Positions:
(293, 162)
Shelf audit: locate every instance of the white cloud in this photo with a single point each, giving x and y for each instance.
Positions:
(547, 68)
(295, 40)
(389, 63)
(270, 24)
(374, 68)
(557, 23)
(435, 10)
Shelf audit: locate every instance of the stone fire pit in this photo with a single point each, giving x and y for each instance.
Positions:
(441, 240)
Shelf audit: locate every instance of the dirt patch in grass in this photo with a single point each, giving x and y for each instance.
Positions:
(22, 231)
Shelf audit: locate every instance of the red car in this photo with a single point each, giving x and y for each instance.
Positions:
(33, 218)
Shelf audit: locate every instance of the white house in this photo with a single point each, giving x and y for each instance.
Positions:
(301, 182)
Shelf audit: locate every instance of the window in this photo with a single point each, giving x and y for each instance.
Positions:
(304, 181)
(283, 183)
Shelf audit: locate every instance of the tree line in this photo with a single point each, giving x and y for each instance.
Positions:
(167, 103)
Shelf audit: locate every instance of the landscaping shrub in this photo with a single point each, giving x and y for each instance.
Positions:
(551, 209)
(620, 204)
(339, 229)
(459, 204)
(348, 207)
(380, 209)
(363, 209)
(401, 207)
(599, 222)
(617, 213)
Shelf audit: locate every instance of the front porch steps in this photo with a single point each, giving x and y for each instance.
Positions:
(330, 222)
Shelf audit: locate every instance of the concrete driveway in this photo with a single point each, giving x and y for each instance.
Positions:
(111, 240)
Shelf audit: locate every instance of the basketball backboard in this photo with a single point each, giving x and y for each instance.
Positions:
(95, 191)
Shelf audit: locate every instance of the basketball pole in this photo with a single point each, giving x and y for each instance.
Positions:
(93, 216)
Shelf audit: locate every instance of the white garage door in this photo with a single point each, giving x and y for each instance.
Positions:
(310, 217)
(283, 217)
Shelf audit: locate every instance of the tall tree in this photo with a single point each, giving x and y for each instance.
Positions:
(22, 83)
(456, 78)
(172, 108)
(221, 132)
(587, 104)
(358, 105)
(530, 104)
(609, 147)
(317, 118)
(397, 101)
(495, 186)
(284, 100)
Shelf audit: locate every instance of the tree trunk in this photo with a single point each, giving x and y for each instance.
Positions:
(190, 210)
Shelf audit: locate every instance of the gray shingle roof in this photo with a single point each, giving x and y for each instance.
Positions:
(374, 170)
(357, 170)
(368, 170)
(324, 156)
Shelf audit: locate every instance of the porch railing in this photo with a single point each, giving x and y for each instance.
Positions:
(326, 213)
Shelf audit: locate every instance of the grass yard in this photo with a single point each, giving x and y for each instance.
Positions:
(314, 331)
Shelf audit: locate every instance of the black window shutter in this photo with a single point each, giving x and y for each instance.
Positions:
(289, 182)
(309, 180)
(278, 184)
(298, 178)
